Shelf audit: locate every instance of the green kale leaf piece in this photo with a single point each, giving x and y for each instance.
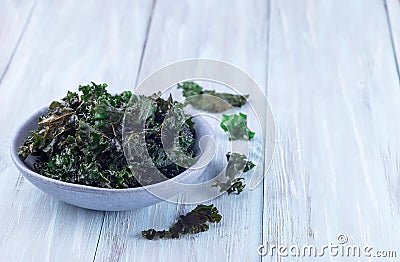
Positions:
(236, 125)
(237, 164)
(192, 223)
(209, 100)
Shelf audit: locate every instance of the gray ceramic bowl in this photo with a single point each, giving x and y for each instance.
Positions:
(109, 199)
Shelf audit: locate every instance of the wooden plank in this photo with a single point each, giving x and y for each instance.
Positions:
(233, 31)
(14, 16)
(66, 43)
(334, 91)
(393, 14)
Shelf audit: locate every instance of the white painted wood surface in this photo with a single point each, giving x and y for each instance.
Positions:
(14, 17)
(334, 90)
(329, 70)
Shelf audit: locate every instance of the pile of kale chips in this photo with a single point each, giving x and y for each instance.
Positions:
(79, 139)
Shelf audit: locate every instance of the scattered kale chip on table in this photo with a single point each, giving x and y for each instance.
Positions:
(209, 100)
(192, 223)
(79, 139)
(237, 164)
(236, 126)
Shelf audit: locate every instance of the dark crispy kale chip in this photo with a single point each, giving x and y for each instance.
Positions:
(165, 124)
(237, 164)
(236, 125)
(192, 223)
(209, 100)
(79, 139)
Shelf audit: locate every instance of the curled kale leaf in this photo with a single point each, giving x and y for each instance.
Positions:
(236, 126)
(209, 100)
(237, 165)
(192, 223)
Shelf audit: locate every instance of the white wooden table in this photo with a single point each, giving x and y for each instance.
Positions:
(331, 72)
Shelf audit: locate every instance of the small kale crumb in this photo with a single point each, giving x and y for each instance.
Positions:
(236, 126)
(192, 223)
(236, 186)
(237, 164)
(209, 100)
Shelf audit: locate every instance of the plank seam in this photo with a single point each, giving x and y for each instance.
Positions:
(18, 41)
(145, 42)
(268, 49)
(391, 33)
(98, 239)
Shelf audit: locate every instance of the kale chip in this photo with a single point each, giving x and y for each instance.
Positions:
(192, 223)
(237, 164)
(236, 125)
(79, 139)
(209, 100)
(153, 121)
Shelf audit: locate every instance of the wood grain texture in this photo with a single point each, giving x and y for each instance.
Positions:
(233, 31)
(334, 90)
(14, 17)
(66, 43)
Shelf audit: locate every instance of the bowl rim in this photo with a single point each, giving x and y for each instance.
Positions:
(25, 170)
